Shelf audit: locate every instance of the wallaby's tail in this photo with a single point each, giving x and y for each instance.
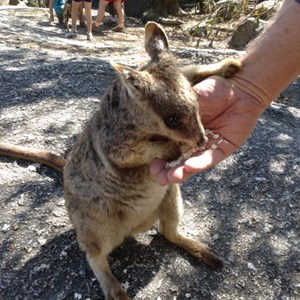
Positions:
(41, 156)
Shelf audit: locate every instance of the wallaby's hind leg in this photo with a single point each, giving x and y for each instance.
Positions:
(225, 68)
(169, 217)
(110, 285)
(97, 240)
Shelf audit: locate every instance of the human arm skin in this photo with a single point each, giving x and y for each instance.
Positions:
(274, 60)
(231, 108)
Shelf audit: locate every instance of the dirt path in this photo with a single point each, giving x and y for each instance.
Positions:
(247, 208)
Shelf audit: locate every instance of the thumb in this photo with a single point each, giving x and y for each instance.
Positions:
(204, 161)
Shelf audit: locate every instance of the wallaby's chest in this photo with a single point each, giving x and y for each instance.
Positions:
(145, 209)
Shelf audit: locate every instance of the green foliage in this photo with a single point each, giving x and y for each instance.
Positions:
(224, 16)
(223, 11)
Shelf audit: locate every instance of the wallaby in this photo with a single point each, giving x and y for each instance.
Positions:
(148, 113)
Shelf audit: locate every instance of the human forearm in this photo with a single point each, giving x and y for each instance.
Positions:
(273, 61)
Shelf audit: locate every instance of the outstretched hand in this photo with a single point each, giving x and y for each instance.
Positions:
(226, 111)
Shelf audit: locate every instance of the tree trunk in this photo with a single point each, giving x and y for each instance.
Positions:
(173, 7)
(163, 9)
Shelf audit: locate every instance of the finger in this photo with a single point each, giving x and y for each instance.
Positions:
(204, 161)
(157, 166)
(159, 171)
(178, 174)
(165, 176)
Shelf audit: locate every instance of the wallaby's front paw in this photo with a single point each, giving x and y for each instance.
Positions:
(231, 67)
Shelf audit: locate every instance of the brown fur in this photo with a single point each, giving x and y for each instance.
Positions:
(41, 156)
(68, 14)
(109, 191)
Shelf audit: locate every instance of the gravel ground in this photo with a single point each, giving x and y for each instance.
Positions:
(246, 209)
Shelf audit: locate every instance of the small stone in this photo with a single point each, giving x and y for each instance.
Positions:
(5, 228)
(34, 167)
(215, 237)
(41, 267)
(58, 212)
(125, 285)
(251, 266)
(42, 241)
(63, 253)
(22, 201)
(61, 203)
(268, 228)
(159, 283)
(28, 249)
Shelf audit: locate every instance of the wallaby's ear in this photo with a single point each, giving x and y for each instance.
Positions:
(123, 72)
(134, 80)
(156, 40)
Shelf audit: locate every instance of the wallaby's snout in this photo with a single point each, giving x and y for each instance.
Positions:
(199, 137)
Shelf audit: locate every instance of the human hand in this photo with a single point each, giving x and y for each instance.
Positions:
(227, 111)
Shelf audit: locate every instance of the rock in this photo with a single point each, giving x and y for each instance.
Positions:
(15, 2)
(22, 4)
(4, 2)
(5, 228)
(244, 33)
(34, 167)
(32, 3)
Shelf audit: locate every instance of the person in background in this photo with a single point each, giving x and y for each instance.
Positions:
(51, 17)
(58, 7)
(120, 12)
(231, 107)
(113, 16)
(88, 14)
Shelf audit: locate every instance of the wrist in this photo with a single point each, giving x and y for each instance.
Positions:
(253, 90)
(273, 61)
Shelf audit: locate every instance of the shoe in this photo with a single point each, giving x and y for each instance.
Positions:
(89, 36)
(71, 34)
(118, 29)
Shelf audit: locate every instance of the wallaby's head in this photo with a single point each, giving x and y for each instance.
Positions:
(164, 94)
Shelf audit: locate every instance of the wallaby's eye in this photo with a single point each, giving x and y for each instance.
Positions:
(172, 122)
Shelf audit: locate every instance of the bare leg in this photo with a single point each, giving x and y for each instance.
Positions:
(51, 17)
(101, 12)
(88, 13)
(81, 17)
(75, 8)
(120, 12)
(169, 217)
